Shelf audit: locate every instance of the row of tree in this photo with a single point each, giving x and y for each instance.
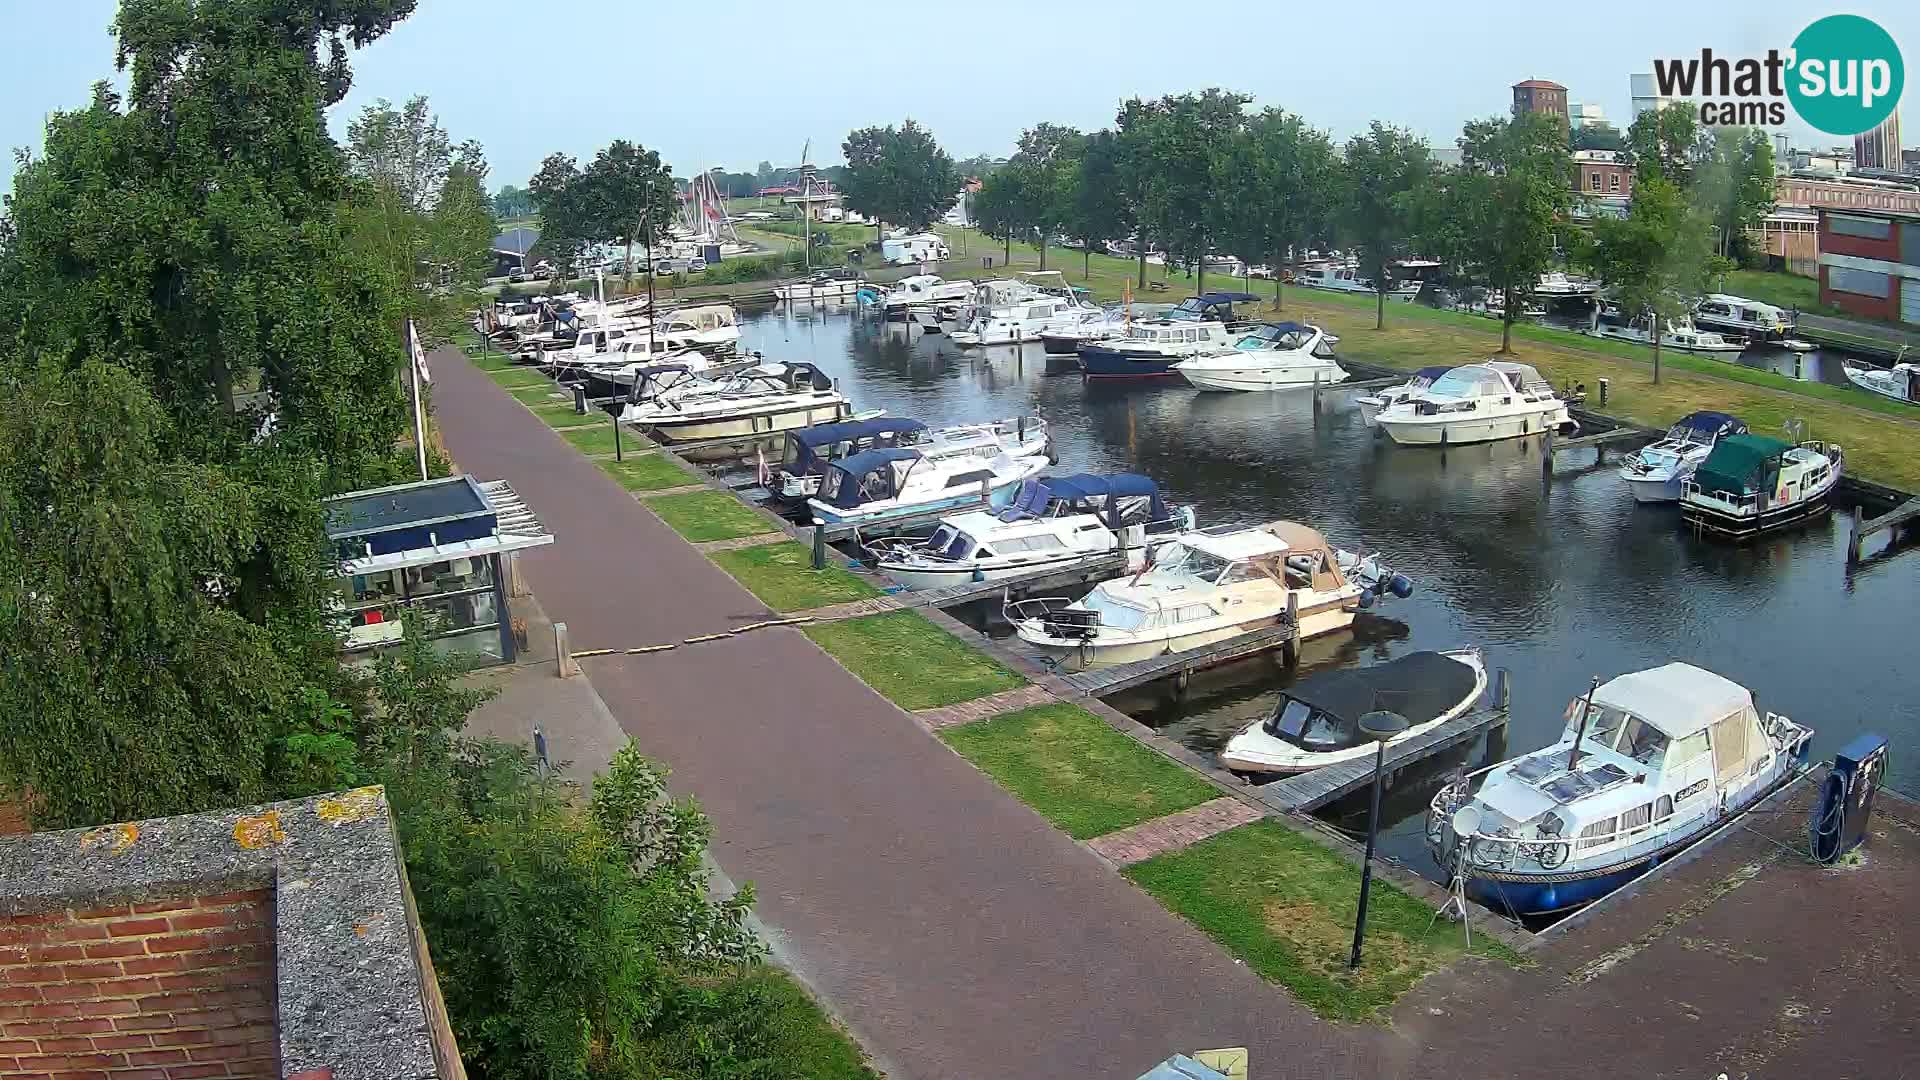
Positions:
(625, 194)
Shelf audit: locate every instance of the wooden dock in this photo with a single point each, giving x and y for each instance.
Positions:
(1619, 434)
(1099, 682)
(1311, 790)
(1892, 519)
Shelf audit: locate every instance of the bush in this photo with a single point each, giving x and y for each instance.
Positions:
(744, 269)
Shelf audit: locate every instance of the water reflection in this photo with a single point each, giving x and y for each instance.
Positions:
(1559, 580)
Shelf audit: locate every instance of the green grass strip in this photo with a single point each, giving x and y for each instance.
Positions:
(783, 577)
(912, 662)
(1079, 773)
(752, 1020)
(1285, 904)
(708, 515)
(645, 472)
(514, 377)
(539, 395)
(559, 416)
(598, 438)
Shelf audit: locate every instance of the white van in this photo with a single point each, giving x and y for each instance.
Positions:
(908, 250)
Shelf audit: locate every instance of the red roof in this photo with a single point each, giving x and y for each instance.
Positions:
(1539, 84)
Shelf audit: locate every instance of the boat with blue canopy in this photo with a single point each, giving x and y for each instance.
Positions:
(876, 486)
(804, 460)
(1655, 473)
(1053, 523)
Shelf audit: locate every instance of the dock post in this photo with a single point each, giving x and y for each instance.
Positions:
(1290, 649)
(819, 547)
(580, 399)
(564, 662)
(1546, 452)
(1854, 540)
(1119, 529)
(1502, 687)
(1603, 393)
(1316, 393)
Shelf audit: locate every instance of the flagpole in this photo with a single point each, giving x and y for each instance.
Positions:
(419, 418)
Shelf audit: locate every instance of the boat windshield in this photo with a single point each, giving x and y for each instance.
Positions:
(949, 543)
(1115, 613)
(1307, 727)
(1464, 383)
(1180, 558)
(1620, 731)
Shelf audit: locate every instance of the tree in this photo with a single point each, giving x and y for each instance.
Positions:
(567, 214)
(1598, 137)
(1172, 146)
(629, 192)
(1656, 261)
(512, 202)
(763, 174)
(1512, 188)
(1733, 181)
(1043, 171)
(899, 175)
(1274, 185)
(997, 208)
(1383, 170)
(1097, 211)
(1662, 141)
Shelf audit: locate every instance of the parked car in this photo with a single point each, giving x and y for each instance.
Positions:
(696, 264)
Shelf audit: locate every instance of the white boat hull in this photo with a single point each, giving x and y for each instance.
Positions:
(1650, 490)
(1245, 380)
(1081, 656)
(919, 576)
(784, 419)
(1301, 761)
(1436, 431)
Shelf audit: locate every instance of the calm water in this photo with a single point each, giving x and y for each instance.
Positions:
(1559, 579)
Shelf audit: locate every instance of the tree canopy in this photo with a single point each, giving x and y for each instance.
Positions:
(899, 175)
(1276, 189)
(1658, 260)
(1382, 172)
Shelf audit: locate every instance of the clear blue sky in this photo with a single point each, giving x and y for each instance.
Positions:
(755, 81)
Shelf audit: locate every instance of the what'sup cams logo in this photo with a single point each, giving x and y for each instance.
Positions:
(1843, 75)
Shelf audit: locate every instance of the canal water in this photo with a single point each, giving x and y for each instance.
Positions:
(1559, 579)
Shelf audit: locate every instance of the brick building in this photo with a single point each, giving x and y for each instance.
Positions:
(1602, 172)
(1542, 96)
(276, 941)
(1870, 263)
(1879, 148)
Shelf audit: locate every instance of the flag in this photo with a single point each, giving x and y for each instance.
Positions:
(416, 353)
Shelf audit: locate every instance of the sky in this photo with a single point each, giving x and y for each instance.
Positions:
(758, 81)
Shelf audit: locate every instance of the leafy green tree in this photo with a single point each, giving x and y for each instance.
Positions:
(1733, 181)
(1383, 171)
(629, 192)
(1658, 260)
(1598, 137)
(568, 217)
(1512, 189)
(1663, 142)
(899, 175)
(1046, 167)
(1173, 145)
(997, 208)
(1097, 210)
(1275, 189)
(512, 202)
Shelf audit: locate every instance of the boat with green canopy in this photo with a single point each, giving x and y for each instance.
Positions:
(1752, 484)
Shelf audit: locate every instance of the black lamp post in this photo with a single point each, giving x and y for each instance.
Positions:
(1381, 727)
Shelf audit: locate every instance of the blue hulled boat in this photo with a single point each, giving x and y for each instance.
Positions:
(1200, 325)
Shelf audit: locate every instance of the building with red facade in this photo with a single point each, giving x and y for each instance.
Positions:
(1870, 263)
(1541, 96)
(1602, 172)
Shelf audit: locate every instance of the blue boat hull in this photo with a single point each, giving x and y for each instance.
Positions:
(1524, 898)
(1102, 362)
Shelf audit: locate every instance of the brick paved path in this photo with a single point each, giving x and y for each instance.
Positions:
(955, 930)
(980, 708)
(1175, 831)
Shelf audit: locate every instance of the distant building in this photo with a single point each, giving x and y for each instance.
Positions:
(1870, 263)
(510, 250)
(1587, 114)
(1816, 192)
(1646, 95)
(1447, 156)
(821, 205)
(1837, 160)
(1782, 153)
(1602, 172)
(1880, 147)
(779, 189)
(1541, 96)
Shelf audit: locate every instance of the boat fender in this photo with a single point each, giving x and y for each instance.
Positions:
(1400, 585)
(1366, 599)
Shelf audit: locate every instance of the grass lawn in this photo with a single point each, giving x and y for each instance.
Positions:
(515, 377)
(783, 577)
(1285, 905)
(537, 395)
(491, 361)
(708, 515)
(1080, 774)
(1780, 290)
(558, 415)
(760, 1015)
(914, 663)
(645, 472)
(598, 437)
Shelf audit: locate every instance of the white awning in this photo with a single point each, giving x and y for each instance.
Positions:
(516, 528)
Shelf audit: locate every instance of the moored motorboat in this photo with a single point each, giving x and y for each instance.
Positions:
(1750, 484)
(822, 285)
(1647, 764)
(1655, 473)
(1679, 335)
(1207, 586)
(1271, 356)
(883, 485)
(1317, 720)
(1749, 318)
(807, 452)
(1476, 403)
(762, 400)
(1053, 523)
(925, 293)
(1371, 404)
(1901, 382)
(1023, 321)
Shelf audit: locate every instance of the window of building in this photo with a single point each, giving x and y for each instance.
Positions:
(1859, 282)
(1593, 180)
(1613, 182)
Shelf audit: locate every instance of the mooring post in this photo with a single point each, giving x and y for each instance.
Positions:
(580, 398)
(1854, 539)
(1291, 647)
(1603, 393)
(1546, 454)
(565, 664)
(1316, 393)
(819, 547)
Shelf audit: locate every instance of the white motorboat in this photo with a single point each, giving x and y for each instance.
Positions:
(1476, 403)
(1555, 285)
(1317, 721)
(623, 372)
(1207, 586)
(1025, 321)
(1113, 322)
(1494, 306)
(1371, 404)
(1273, 356)
(1646, 764)
(1749, 318)
(924, 292)
(1655, 473)
(1349, 279)
(808, 452)
(1750, 484)
(883, 485)
(760, 401)
(823, 285)
(1053, 523)
(1680, 335)
(1901, 382)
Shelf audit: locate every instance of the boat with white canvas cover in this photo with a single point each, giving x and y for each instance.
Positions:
(882, 485)
(1053, 523)
(1317, 720)
(759, 401)
(839, 284)
(1026, 320)
(1204, 587)
(808, 452)
(1271, 356)
(1477, 403)
(1901, 382)
(1371, 404)
(924, 293)
(1655, 473)
(1749, 318)
(1750, 484)
(1647, 763)
(1680, 335)
(1349, 279)
(1555, 285)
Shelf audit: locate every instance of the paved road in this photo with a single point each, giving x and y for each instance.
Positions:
(955, 931)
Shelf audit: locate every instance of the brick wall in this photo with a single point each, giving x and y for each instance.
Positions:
(1868, 307)
(157, 991)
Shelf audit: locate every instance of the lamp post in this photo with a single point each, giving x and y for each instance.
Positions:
(1381, 727)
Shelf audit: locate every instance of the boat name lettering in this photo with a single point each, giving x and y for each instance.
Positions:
(1689, 791)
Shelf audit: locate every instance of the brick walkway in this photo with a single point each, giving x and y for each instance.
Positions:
(756, 540)
(1173, 832)
(980, 708)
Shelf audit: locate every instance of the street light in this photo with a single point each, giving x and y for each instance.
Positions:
(1382, 728)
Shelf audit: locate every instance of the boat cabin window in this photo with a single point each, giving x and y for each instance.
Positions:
(1190, 613)
(1200, 564)
(1115, 614)
(1663, 808)
(1309, 728)
(1241, 571)
(949, 542)
(1597, 834)
(965, 478)
(1687, 749)
(1021, 544)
